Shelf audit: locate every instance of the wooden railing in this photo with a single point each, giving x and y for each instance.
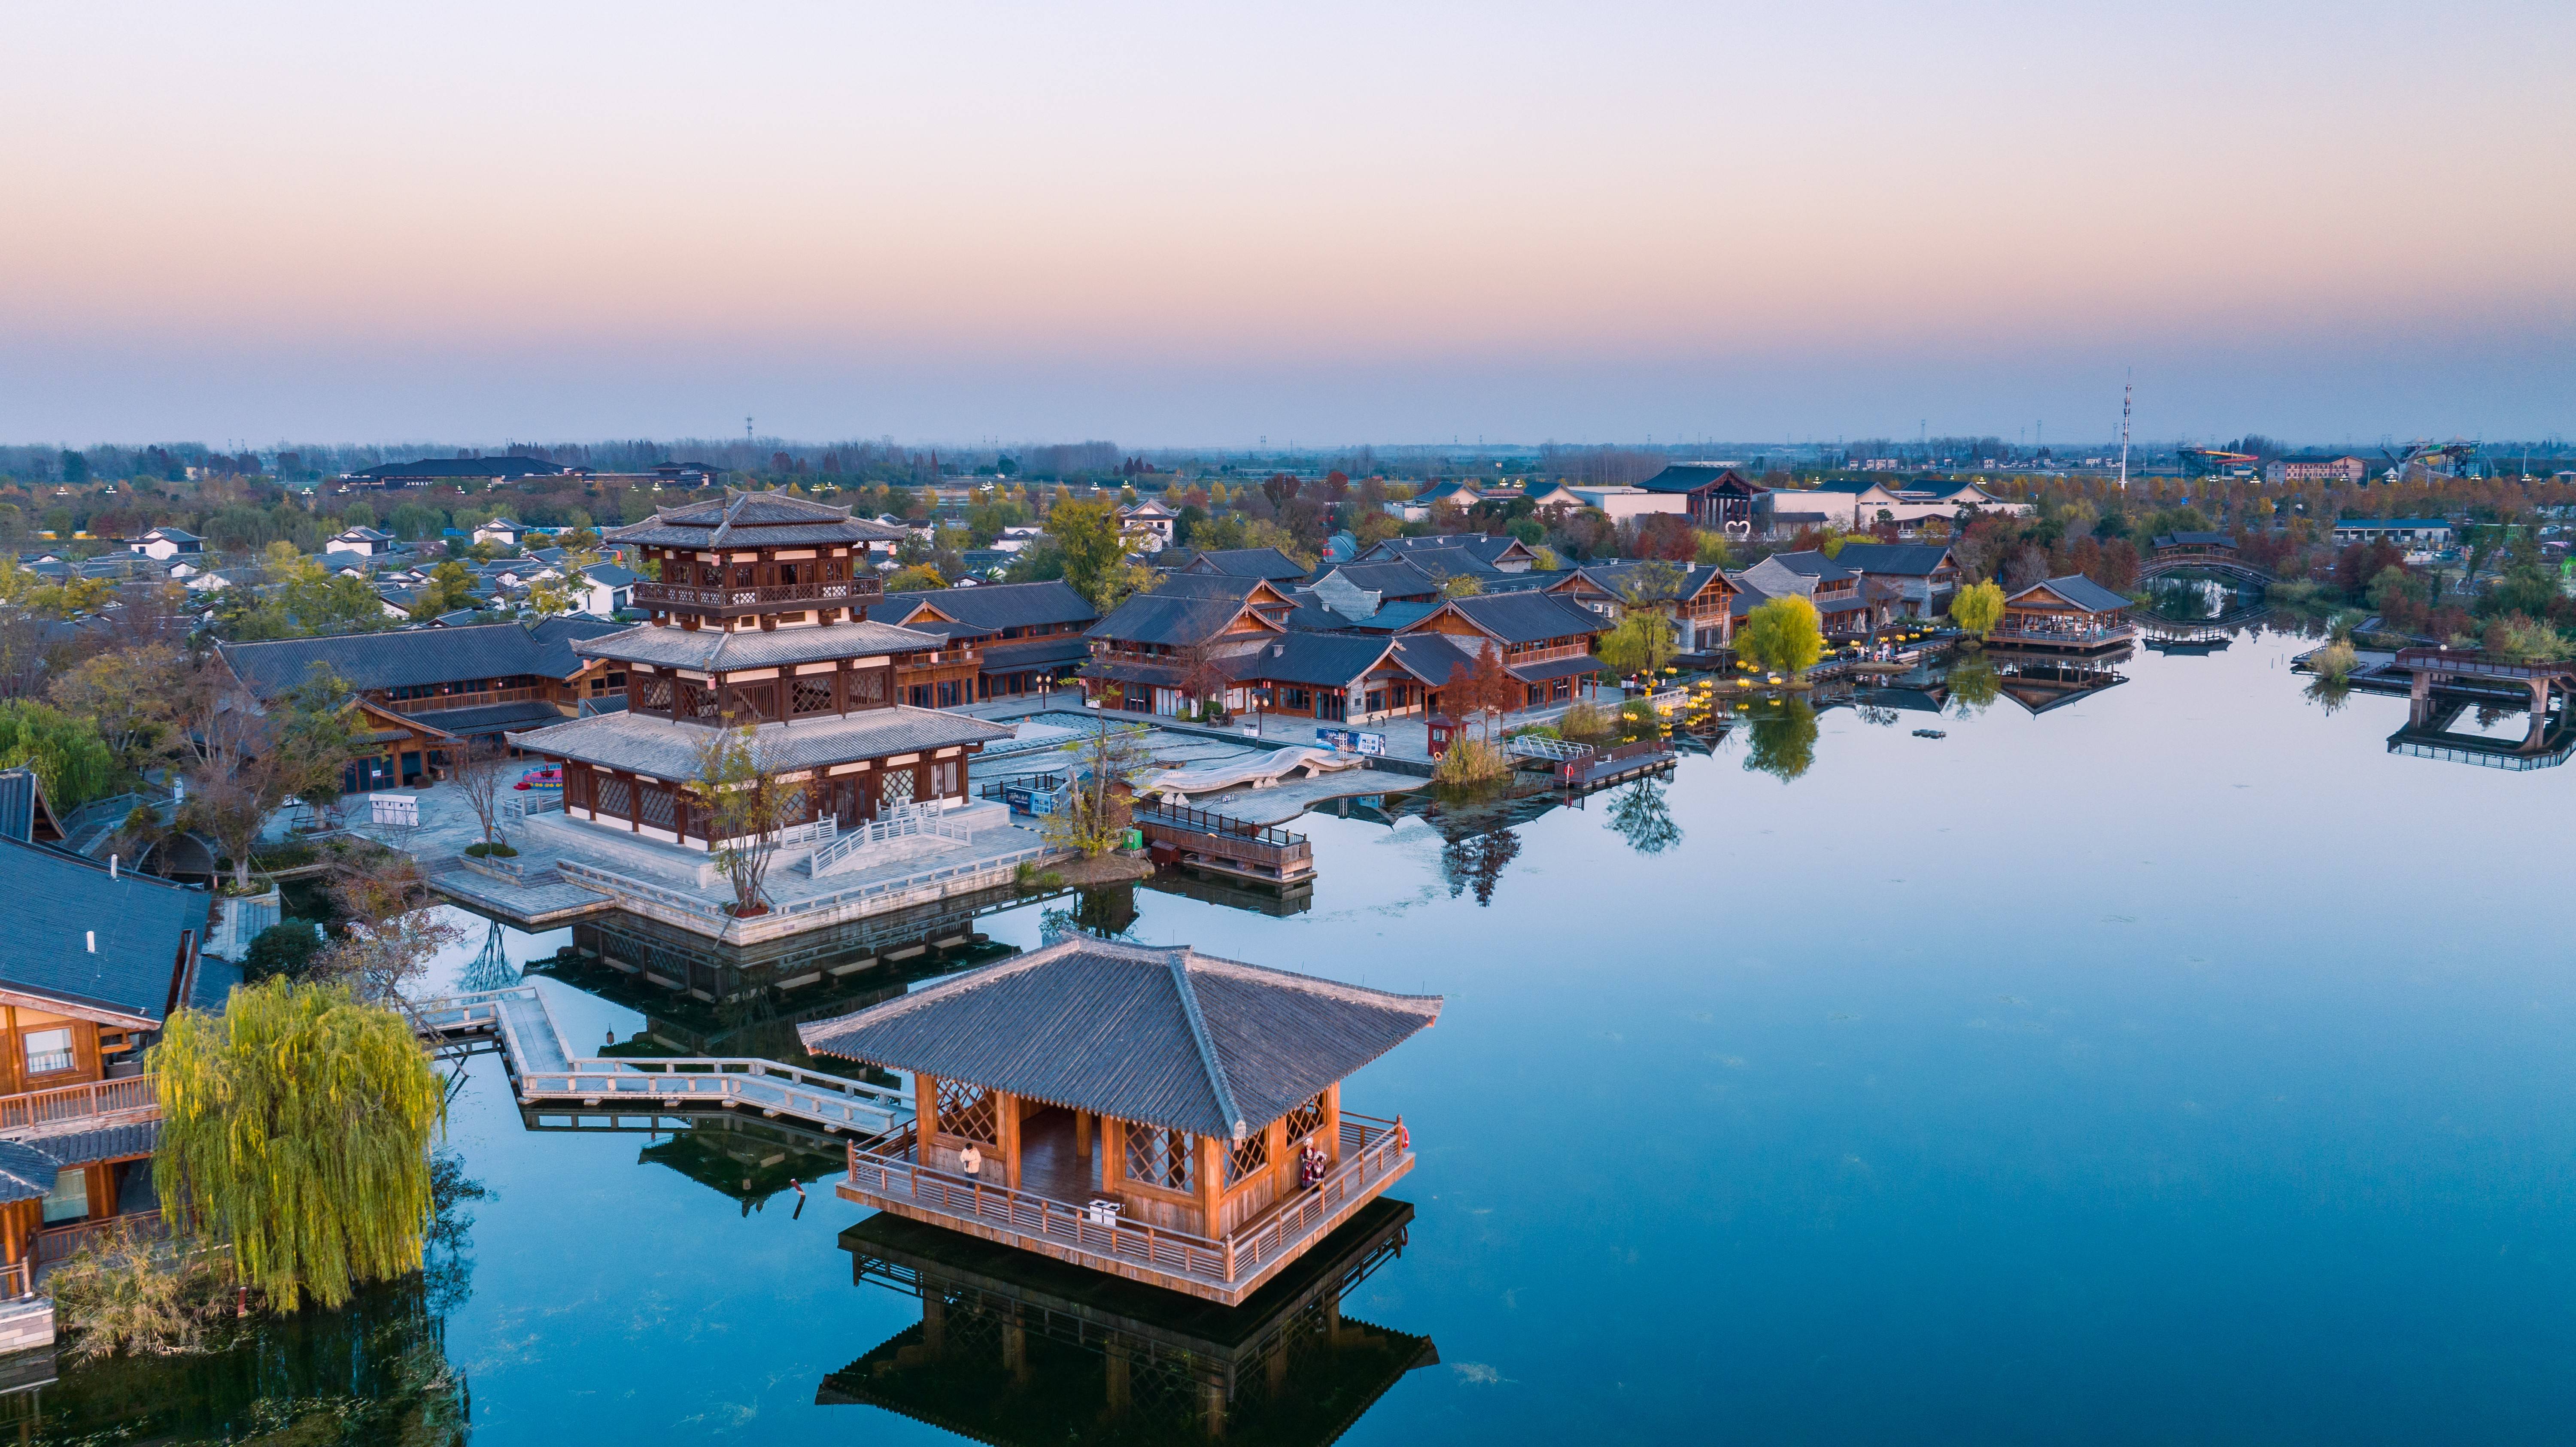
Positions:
(135, 1094)
(692, 595)
(479, 699)
(1372, 1149)
(2477, 663)
(57, 1244)
(1220, 834)
(17, 1279)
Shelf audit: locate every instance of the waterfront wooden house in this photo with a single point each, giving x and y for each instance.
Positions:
(2069, 614)
(1919, 577)
(93, 962)
(1545, 640)
(1137, 1111)
(782, 654)
(425, 691)
(1342, 677)
(1142, 653)
(1696, 597)
(1845, 605)
(1024, 635)
(1010, 1347)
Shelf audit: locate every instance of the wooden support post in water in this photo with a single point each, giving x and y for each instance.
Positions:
(1117, 1390)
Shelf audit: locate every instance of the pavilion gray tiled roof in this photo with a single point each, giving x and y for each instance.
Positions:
(1184, 609)
(1160, 1037)
(1913, 560)
(416, 656)
(1328, 660)
(1247, 563)
(753, 519)
(1528, 617)
(1394, 578)
(57, 900)
(711, 650)
(105, 1143)
(26, 1173)
(664, 749)
(2079, 590)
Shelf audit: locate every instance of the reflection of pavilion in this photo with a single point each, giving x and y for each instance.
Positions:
(2040, 682)
(1016, 1348)
(2544, 744)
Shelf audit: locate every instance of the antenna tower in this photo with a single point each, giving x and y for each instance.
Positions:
(746, 429)
(2126, 388)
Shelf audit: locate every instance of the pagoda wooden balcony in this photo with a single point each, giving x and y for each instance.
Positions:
(721, 601)
(87, 1106)
(887, 1175)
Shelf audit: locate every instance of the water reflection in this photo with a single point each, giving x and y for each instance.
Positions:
(1014, 1347)
(1475, 862)
(1639, 815)
(1781, 740)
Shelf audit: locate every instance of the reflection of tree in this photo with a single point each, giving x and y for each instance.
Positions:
(1878, 714)
(2329, 694)
(1477, 860)
(1640, 816)
(1974, 686)
(490, 969)
(1782, 740)
(1107, 911)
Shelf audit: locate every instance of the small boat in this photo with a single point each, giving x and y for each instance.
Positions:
(1930, 734)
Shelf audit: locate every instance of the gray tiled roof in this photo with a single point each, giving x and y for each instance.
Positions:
(1183, 610)
(1486, 547)
(1692, 476)
(2079, 590)
(1809, 564)
(1393, 578)
(411, 657)
(1246, 563)
(668, 750)
(993, 607)
(1913, 560)
(489, 718)
(108, 1143)
(26, 1173)
(709, 650)
(57, 899)
(753, 519)
(1326, 660)
(1164, 1037)
(1528, 617)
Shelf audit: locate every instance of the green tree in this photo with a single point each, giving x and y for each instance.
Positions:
(1087, 535)
(746, 807)
(1642, 643)
(1977, 608)
(69, 757)
(1096, 816)
(296, 1128)
(919, 578)
(129, 695)
(1783, 635)
(450, 587)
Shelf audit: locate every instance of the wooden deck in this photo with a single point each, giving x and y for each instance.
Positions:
(91, 1105)
(1049, 1213)
(546, 1071)
(1226, 845)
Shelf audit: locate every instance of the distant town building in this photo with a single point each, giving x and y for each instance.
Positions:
(2316, 468)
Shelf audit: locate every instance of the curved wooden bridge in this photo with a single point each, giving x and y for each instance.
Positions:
(2166, 562)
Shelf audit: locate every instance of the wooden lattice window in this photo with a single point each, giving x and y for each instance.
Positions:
(813, 695)
(895, 790)
(1305, 1120)
(657, 805)
(697, 700)
(1248, 1159)
(616, 797)
(966, 1109)
(760, 700)
(1159, 1156)
(868, 688)
(652, 694)
(576, 787)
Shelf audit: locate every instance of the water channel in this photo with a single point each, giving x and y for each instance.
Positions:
(2168, 1062)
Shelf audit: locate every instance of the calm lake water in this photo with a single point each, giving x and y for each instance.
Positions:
(2175, 1065)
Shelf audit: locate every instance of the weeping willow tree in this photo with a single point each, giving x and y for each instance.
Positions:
(296, 1129)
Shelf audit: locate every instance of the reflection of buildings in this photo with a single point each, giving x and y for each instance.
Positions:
(736, 1155)
(2544, 744)
(2040, 682)
(1016, 1348)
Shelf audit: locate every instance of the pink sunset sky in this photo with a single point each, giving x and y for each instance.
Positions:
(1196, 224)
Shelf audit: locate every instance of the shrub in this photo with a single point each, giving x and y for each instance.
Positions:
(281, 949)
(118, 1296)
(1585, 721)
(1471, 761)
(2334, 662)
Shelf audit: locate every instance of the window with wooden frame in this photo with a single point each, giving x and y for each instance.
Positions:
(1160, 1156)
(651, 694)
(576, 787)
(616, 797)
(697, 700)
(656, 803)
(967, 1110)
(1248, 1159)
(1305, 1120)
(811, 696)
(868, 688)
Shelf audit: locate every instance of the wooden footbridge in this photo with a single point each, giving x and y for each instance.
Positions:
(2202, 553)
(545, 1071)
(1225, 845)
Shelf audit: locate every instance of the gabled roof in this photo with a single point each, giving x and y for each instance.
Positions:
(365, 535)
(753, 519)
(1809, 563)
(408, 657)
(1160, 1037)
(1912, 560)
(1187, 609)
(1396, 578)
(58, 900)
(2077, 590)
(1527, 617)
(1491, 549)
(1693, 476)
(25, 813)
(989, 608)
(1246, 563)
(499, 525)
(1618, 577)
(176, 535)
(2191, 540)
(1326, 660)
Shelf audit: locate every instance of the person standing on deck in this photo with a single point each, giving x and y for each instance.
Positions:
(971, 1160)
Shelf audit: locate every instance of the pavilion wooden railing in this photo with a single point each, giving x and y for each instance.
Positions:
(57, 1244)
(1371, 1150)
(135, 1094)
(2475, 662)
(692, 595)
(2091, 633)
(479, 698)
(17, 1279)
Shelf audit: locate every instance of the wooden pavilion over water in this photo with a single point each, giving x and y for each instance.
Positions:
(2072, 614)
(1136, 1111)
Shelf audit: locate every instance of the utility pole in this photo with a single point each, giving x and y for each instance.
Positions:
(746, 429)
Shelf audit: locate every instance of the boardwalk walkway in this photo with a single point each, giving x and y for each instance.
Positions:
(545, 1071)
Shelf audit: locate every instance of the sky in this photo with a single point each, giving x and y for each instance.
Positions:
(1323, 223)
